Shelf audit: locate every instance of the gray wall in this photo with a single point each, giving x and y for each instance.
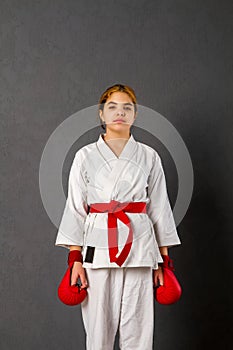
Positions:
(57, 57)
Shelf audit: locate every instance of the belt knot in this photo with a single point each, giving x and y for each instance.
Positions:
(115, 206)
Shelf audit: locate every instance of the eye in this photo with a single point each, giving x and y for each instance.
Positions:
(111, 107)
(128, 108)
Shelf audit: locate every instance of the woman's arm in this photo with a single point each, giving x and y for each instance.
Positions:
(78, 270)
(71, 228)
(75, 247)
(158, 274)
(163, 250)
(158, 208)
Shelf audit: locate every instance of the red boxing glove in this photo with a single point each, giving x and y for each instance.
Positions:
(71, 295)
(171, 290)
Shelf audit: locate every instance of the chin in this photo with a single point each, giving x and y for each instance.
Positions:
(119, 127)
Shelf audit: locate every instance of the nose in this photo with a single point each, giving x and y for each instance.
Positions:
(120, 112)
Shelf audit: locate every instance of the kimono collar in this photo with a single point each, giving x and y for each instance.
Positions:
(127, 152)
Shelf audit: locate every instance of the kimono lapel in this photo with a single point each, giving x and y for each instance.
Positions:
(117, 165)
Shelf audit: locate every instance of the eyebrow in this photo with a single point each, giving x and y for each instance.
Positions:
(126, 104)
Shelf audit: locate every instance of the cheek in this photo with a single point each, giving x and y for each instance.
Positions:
(109, 114)
(132, 118)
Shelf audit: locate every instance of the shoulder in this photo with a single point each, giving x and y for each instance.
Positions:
(150, 151)
(83, 152)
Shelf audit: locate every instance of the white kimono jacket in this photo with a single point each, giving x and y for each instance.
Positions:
(97, 175)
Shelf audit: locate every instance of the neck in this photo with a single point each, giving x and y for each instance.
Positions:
(110, 135)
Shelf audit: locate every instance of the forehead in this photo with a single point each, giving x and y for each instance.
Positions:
(119, 97)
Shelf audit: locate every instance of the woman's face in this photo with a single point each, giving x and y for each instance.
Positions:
(118, 112)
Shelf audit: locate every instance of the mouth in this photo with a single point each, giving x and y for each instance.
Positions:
(118, 121)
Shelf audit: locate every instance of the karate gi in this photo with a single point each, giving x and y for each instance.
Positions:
(97, 175)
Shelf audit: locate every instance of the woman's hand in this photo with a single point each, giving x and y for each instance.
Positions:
(158, 277)
(78, 271)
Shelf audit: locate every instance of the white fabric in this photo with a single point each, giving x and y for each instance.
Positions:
(121, 297)
(97, 175)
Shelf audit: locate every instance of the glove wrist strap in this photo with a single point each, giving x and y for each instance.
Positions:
(74, 255)
(167, 263)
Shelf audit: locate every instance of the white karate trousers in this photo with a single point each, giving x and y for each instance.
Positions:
(121, 297)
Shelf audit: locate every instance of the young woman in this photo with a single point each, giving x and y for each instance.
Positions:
(119, 218)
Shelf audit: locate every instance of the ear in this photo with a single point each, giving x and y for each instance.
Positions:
(100, 113)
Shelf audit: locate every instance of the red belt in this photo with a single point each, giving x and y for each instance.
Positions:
(116, 210)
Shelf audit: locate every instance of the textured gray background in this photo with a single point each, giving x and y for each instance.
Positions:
(57, 57)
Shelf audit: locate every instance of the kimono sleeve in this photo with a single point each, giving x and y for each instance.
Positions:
(158, 207)
(71, 229)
